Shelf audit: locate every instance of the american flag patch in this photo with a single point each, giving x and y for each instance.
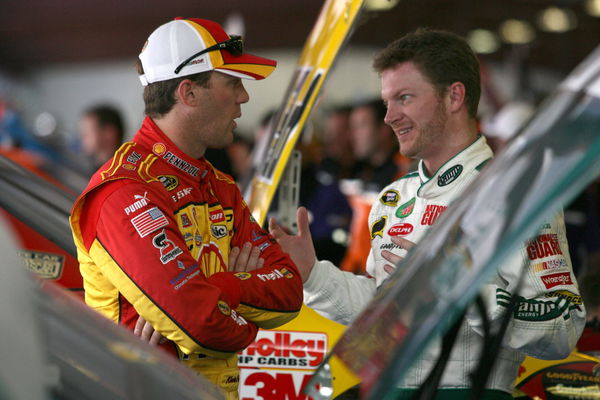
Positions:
(149, 221)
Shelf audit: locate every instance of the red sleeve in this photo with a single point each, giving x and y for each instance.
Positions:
(142, 252)
(272, 295)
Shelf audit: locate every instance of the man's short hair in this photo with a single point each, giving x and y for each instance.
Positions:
(443, 57)
(108, 115)
(159, 97)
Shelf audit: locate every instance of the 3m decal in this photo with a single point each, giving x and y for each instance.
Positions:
(450, 175)
(149, 221)
(377, 227)
(390, 198)
(218, 231)
(168, 250)
(139, 203)
(406, 209)
(431, 214)
(400, 229)
(44, 265)
(543, 246)
(553, 280)
(170, 182)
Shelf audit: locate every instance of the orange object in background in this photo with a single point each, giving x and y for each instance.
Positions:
(360, 239)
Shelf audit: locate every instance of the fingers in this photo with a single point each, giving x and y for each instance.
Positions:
(242, 259)
(233, 255)
(275, 230)
(302, 221)
(147, 332)
(402, 243)
(388, 268)
(391, 257)
(156, 339)
(253, 258)
(139, 325)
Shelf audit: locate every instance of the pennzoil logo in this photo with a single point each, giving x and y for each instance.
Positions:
(243, 275)
(170, 182)
(224, 307)
(390, 198)
(377, 227)
(450, 175)
(45, 265)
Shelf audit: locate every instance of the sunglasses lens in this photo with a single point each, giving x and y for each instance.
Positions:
(235, 45)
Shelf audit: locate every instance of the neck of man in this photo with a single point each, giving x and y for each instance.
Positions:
(458, 138)
(180, 134)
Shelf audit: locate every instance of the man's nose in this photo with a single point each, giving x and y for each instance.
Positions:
(243, 97)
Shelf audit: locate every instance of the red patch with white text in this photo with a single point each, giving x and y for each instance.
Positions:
(217, 216)
(552, 280)
(400, 229)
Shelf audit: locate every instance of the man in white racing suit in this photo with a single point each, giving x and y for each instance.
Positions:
(430, 84)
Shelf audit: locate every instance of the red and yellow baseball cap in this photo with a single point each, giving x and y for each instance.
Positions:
(188, 46)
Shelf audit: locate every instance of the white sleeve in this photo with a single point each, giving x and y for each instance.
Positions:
(549, 315)
(335, 294)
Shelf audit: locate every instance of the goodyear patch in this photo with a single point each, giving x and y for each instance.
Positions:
(377, 227)
(224, 307)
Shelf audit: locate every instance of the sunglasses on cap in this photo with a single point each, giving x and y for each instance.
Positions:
(234, 45)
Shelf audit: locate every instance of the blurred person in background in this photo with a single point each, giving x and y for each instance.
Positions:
(101, 133)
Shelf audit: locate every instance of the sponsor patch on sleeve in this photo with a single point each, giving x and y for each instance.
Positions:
(390, 198)
(377, 227)
(224, 307)
(243, 275)
(149, 221)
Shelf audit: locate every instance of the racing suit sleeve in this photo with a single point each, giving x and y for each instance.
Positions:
(549, 315)
(143, 255)
(269, 296)
(336, 294)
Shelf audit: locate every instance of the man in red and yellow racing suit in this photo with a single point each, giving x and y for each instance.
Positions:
(156, 226)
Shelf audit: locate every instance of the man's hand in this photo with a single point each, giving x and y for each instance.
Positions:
(246, 259)
(299, 247)
(146, 332)
(391, 257)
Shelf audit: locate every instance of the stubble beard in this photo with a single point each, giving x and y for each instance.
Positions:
(429, 135)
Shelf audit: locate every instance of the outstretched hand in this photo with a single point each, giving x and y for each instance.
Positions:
(299, 247)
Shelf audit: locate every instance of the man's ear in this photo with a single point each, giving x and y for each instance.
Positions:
(456, 94)
(185, 92)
